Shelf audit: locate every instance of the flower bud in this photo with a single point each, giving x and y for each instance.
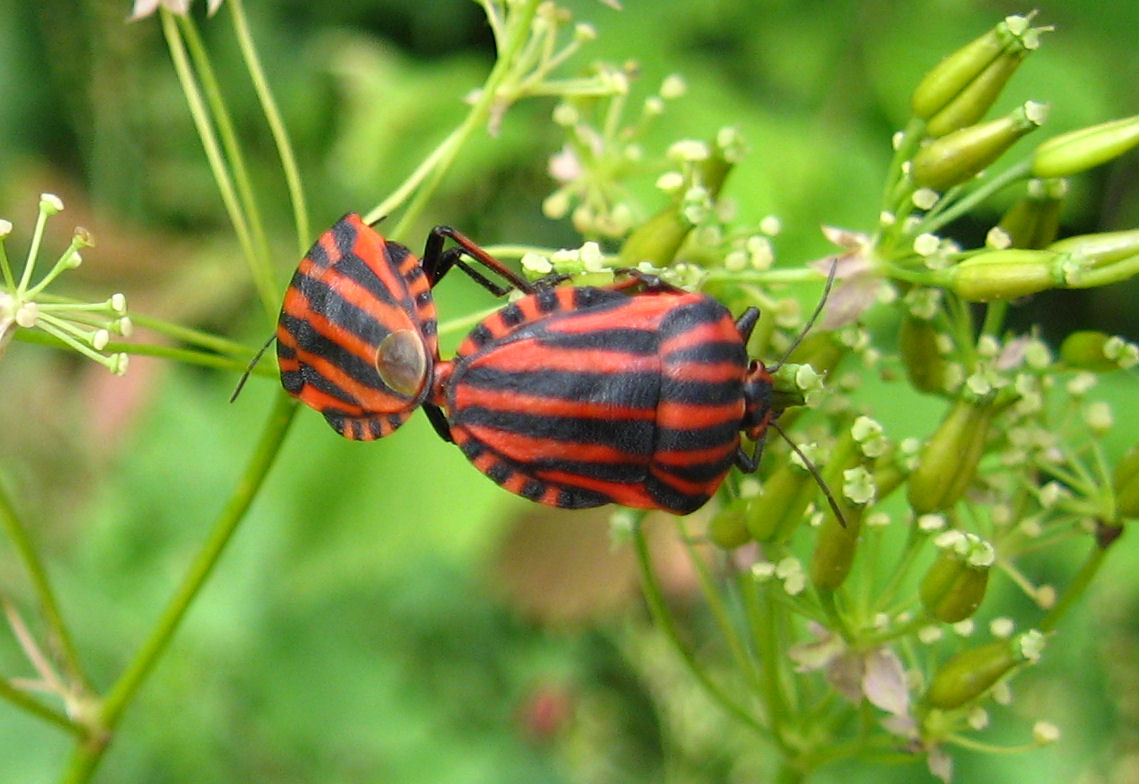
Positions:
(948, 461)
(659, 238)
(971, 673)
(1126, 485)
(955, 584)
(977, 97)
(959, 156)
(1100, 249)
(774, 515)
(728, 529)
(1034, 221)
(925, 365)
(955, 73)
(1075, 151)
(1087, 350)
(837, 543)
(1006, 274)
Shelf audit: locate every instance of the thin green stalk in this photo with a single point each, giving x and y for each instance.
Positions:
(998, 183)
(201, 118)
(260, 264)
(658, 607)
(744, 661)
(273, 118)
(761, 615)
(1075, 590)
(17, 531)
(87, 756)
(27, 702)
(518, 31)
(193, 337)
(184, 355)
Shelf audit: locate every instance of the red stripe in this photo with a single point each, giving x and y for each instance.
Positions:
(467, 396)
(524, 449)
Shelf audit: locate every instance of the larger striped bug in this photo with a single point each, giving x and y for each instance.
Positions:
(576, 397)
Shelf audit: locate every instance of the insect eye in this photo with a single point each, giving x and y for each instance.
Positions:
(401, 361)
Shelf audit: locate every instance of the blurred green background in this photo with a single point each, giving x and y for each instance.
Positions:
(386, 614)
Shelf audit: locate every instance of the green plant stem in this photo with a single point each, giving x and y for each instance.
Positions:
(273, 118)
(518, 32)
(187, 356)
(763, 617)
(744, 662)
(201, 118)
(87, 756)
(17, 532)
(658, 607)
(27, 702)
(259, 257)
(960, 207)
(1075, 590)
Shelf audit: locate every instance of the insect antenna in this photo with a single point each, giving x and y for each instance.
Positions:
(252, 364)
(810, 322)
(813, 470)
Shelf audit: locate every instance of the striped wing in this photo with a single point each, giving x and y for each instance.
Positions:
(357, 335)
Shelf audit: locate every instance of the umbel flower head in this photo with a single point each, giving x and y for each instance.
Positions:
(84, 327)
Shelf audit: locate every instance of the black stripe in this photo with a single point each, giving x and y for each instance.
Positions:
(640, 342)
(709, 352)
(700, 393)
(636, 390)
(673, 440)
(511, 315)
(691, 315)
(673, 500)
(631, 437)
(357, 270)
(341, 313)
(593, 298)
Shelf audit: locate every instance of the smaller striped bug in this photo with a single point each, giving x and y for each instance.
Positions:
(581, 396)
(356, 339)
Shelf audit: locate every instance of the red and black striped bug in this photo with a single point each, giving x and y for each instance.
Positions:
(577, 397)
(356, 339)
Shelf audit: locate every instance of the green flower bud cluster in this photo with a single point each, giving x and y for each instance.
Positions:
(962, 87)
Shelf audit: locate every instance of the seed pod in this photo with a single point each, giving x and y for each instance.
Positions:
(977, 97)
(774, 515)
(959, 156)
(925, 366)
(955, 584)
(658, 239)
(1100, 249)
(1085, 350)
(1073, 152)
(1005, 274)
(1034, 221)
(948, 461)
(728, 529)
(1126, 485)
(955, 73)
(971, 673)
(835, 544)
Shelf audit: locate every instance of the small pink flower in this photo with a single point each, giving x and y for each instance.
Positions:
(859, 278)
